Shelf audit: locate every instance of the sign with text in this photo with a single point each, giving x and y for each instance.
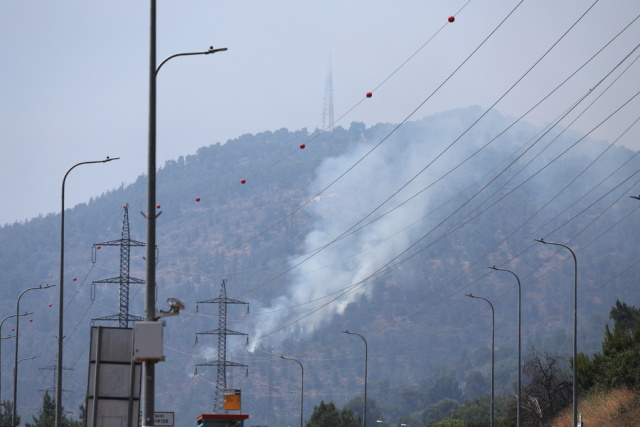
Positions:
(232, 400)
(161, 419)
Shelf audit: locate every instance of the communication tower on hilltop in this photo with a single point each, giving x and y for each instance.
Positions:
(222, 332)
(327, 110)
(124, 280)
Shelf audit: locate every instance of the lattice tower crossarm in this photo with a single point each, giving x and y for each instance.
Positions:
(124, 279)
(222, 332)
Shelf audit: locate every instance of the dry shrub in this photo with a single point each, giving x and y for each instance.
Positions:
(616, 408)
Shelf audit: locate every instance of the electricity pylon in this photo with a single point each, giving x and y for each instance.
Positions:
(222, 332)
(124, 280)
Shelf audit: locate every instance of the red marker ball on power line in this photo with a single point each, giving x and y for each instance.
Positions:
(158, 206)
(30, 320)
(243, 181)
(50, 305)
(98, 247)
(369, 94)
(302, 146)
(197, 199)
(451, 18)
(75, 278)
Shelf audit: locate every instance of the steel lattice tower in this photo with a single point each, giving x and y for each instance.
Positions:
(327, 110)
(53, 389)
(124, 280)
(222, 332)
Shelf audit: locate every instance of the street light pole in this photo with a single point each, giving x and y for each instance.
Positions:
(58, 421)
(15, 374)
(148, 366)
(301, 389)
(1, 338)
(575, 327)
(493, 342)
(15, 366)
(519, 340)
(205, 52)
(366, 363)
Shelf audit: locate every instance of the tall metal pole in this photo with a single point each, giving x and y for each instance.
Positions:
(366, 363)
(301, 389)
(59, 365)
(519, 341)
(575, 327)
(148, 366)
(15, 366)
(493, 343)
(1, 338)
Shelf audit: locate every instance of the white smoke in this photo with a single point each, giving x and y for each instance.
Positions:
(325, 276)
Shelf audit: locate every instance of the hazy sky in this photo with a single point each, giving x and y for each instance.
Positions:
(74, 76)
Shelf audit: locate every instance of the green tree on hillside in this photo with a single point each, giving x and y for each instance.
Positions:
(356, 405)
(439, 412)
(444, 388)
(326, 415)
(475, 413)
(618, 365)
(476, 385)
(7, 413)
(46, 416)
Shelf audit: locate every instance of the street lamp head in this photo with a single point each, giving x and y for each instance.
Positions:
(108, 159)
(469, 295)
(540, 240)
(27, 358)
(493, 267)
(212, 50)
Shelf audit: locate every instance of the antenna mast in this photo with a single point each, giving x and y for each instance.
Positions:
(327, 110)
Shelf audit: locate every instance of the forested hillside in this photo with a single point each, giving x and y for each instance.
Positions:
(380, 231)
